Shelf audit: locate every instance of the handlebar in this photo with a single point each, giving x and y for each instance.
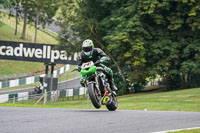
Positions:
(97, 63)
(100, 69)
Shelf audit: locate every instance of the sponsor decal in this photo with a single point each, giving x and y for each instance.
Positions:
(34, 52)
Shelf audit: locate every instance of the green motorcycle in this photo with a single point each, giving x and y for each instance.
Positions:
(98, 87)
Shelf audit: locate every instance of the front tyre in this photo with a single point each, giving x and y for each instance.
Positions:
(113, 104)
(94, 95)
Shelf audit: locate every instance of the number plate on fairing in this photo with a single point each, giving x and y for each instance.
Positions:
(87, 65)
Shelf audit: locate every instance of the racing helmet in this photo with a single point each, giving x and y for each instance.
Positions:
(88, 47)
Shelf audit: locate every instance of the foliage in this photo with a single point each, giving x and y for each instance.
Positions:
(46, 9)
(145, 37)
(5, 3)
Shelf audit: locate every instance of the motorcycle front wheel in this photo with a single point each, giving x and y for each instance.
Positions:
(94, 95)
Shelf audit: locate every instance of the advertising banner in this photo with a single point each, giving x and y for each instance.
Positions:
(35, 52)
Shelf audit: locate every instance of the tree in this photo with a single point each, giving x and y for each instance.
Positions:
(39, 12)
(15, 4)
(5, 3)
(27, 8)
(157, 37)
(174, 47)
(46, 8)
(82, 18)
(144, 38)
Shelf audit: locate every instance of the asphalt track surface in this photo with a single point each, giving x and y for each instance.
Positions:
(43, 120)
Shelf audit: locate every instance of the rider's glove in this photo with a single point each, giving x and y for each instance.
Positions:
(103, 60)
(108, 70)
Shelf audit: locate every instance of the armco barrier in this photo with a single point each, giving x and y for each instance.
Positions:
(31, 80)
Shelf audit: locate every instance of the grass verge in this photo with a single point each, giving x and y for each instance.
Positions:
(181, 100)
(18, 67)
(187, 131)
(30, 34)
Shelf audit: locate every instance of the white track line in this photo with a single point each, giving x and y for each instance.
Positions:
(176, 130)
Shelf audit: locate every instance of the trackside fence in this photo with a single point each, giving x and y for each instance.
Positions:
(51, 97)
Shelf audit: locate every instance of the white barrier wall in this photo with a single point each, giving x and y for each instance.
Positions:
(14, 83)
(67, 67)
(69, 92)
(22, 96)
(4, 98)
(82, 91)
(54, 73)
(61, 70)
(42, 75)
(30, 80)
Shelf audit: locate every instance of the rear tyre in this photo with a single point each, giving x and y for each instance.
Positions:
(113, 104)
(93, 93)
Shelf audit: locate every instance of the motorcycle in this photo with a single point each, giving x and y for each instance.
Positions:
(99, 89)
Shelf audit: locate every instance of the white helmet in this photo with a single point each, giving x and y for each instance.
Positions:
(87, 47)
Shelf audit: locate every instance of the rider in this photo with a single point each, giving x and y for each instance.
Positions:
(89, 53)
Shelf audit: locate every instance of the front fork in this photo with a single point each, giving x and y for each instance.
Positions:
(96, 85)
(106, 97)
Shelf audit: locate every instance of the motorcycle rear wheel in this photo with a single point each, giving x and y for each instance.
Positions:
(93, 93)
(113, 104)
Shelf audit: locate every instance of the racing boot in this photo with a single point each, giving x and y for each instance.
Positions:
(109, 74)
(112, 85)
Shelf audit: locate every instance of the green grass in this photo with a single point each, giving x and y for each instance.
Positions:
(30, 31)
(7, 33)
(181, 100)
(17, 67)
(187, 131)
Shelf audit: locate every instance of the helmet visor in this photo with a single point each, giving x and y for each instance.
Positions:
(87, 49)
